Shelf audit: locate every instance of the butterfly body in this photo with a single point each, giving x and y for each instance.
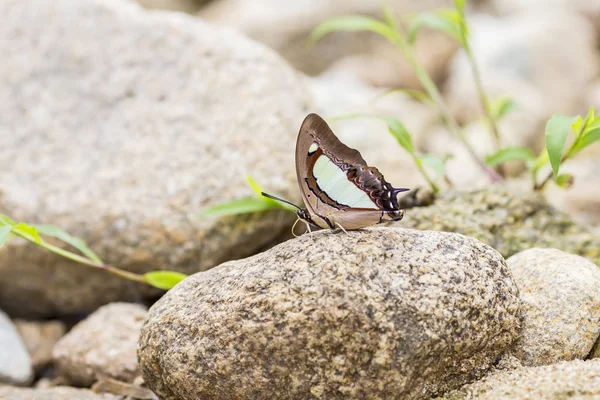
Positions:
(338, 187)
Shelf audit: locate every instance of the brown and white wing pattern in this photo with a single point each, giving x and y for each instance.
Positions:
(338, 187)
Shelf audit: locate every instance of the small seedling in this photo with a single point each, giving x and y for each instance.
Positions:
(585, 132)
(34, 234)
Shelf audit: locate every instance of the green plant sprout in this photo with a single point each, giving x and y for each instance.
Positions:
(404, 139)
(33, 233)
(451, 21)
(246, 205)
(585, 132)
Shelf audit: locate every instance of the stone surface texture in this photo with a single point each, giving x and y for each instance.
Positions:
(15, 363)
(560, 296)
(123, 141)
(565, 380)
(39, 338)
(378, 313)
(55, 393)
(104, 344)
(509, 217)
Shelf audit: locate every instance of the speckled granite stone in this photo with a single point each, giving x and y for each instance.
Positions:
(565, 380)
(509, 217)
(120, 125)
(560, 296)
(104, 344)
(378, 313)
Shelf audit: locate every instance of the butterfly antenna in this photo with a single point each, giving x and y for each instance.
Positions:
(268, 196)
(399, 190)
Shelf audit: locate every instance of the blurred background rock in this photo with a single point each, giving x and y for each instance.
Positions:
(542, 54)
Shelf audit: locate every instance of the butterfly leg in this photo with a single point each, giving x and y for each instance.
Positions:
(341, 227)
(293, 227)
(309, 231)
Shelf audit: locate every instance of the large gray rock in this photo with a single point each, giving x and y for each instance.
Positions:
(565, 380)
(560, 296)
(378, 313)
(15, 363)
(102, 345)
(124, 140)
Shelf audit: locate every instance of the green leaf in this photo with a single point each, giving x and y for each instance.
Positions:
(436, 164)
(589, 118)
(5, 220)
(55, 231)
(27, 232)
(443, 20)
(164, 279)
(353, 23)
(460, 5)
(4, 232)
(399, 131)
(240, 206)
(388, 16)
(503, 106)
(565, 181)
(588, 138)
(510, 154)
(542, 159)
(417, 95)
(255, 188)
(576, 126)
(557, 130)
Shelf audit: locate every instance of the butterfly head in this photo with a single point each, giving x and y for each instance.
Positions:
(303, 214)
(396, 215)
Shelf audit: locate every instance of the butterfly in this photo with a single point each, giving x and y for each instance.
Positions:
(338, 187)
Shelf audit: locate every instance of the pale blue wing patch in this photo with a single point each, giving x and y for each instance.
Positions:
(334, 182)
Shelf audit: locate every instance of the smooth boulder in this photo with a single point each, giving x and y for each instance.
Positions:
(560, 296)
(377, 313)
(121, 125)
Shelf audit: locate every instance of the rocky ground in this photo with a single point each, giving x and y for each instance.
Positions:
(120, 122)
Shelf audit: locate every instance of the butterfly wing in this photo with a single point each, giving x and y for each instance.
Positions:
(337, 186)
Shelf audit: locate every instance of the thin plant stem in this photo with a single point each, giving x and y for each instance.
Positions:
(85, 261)
(423, 172)
(485, 101)
(436, 96)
